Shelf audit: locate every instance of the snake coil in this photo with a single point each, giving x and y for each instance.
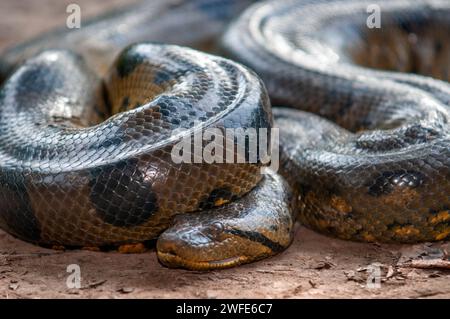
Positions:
(85, 142)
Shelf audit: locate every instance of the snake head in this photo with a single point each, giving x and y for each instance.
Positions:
(199, 243)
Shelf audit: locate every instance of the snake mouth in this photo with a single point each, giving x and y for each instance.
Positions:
(174, 261)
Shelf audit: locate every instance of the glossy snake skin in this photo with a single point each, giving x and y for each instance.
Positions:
(379, 168)
(88, 123)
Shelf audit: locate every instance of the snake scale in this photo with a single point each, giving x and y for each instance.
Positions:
(88, 121)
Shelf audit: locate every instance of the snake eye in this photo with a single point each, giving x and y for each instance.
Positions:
(214, 231)
(217, 227)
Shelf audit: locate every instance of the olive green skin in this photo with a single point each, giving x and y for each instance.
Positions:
(86, 133)
(375, 166)
(86, 142)
(70, 178)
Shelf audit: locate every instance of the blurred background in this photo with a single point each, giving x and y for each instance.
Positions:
(23, 19)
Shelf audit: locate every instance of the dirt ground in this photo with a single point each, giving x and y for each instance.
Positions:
(314, 266)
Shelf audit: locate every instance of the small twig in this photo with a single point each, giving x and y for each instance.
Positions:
(12, 256)
(429, 264)
(94, 284)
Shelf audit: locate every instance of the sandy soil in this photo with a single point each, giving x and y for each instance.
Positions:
(315, 266)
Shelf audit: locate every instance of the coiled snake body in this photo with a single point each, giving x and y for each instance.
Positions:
(87, 162)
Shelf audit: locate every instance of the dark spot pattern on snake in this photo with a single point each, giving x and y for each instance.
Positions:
(17, 211)
(121, 196)
(86, 132)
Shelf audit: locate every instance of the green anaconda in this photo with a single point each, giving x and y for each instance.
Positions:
(89, 122)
